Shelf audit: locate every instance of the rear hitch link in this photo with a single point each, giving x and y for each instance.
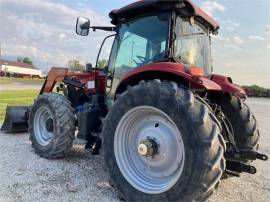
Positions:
(234, 167)
(253, 155)
(250, 155)
(239, 167)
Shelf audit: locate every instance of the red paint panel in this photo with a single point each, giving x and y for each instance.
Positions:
(227, 85)
(167, 67)
(101, 84)
(197, 11)
(206, 84)
(58, 74)
(201, 13)
(196, 82)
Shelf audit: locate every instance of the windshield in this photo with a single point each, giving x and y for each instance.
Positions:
(192, 44)
(139, 42)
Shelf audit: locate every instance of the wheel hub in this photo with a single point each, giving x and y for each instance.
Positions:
(43, 126)
(147, 148)
(49, 125)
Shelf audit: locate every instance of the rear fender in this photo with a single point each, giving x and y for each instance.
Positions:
(227, 85)
(190, 77)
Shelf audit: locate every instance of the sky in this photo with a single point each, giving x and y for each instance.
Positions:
(44, 30)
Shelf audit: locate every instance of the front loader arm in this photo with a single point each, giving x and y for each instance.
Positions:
(57, 74)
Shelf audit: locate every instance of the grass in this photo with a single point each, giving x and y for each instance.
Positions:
(4, 81)
(10, 80)
(15, 98)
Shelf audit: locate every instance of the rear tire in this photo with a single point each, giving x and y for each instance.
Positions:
(203, 163)
(52, 125)
(244, 124)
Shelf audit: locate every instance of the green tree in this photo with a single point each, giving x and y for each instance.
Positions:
(102, 63)
(75, 65)
(19, 59)
(25, 60)
(257, 91)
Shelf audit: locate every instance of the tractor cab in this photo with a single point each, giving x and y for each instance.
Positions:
(160, 31)
(140, 41)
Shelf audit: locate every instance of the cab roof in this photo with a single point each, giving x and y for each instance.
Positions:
(144, 7)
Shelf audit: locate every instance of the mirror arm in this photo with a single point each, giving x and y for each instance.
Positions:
(110, 29)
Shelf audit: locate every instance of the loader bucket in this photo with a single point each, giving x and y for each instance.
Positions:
(16, 119)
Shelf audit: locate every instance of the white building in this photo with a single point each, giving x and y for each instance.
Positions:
(18, 69)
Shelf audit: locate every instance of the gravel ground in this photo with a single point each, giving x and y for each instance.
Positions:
(24, 176)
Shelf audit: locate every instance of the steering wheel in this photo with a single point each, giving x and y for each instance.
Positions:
(159, 56)
(142, 60)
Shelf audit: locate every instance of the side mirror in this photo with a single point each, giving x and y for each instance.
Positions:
(82, 26)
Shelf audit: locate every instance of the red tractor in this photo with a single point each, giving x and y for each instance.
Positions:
(169, 129)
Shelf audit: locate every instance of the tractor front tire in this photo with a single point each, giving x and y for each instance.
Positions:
(162, 143)
(52, 125)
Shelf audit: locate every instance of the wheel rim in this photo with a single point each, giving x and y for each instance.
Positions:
(43, 126)
(149, 149)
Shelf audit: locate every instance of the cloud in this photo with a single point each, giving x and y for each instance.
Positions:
(44, 31)
(233, 42)
(268, 46)
(232, 46)
(230, 25)
(63, 37)
(212, 6)
(257, 38)
(81, 4)
(220, 38)
(267, 29)
(237, 41)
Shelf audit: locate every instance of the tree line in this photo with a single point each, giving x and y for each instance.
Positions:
(74, 64)
(257, 91)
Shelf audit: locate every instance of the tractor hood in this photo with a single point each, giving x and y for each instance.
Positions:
(143, 7)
